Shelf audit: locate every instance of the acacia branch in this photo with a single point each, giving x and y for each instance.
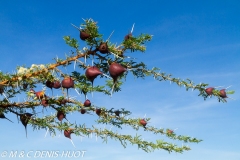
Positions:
(50, 67)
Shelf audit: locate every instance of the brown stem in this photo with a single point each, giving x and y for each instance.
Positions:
(51, 67)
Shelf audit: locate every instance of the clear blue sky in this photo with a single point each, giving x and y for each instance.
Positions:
(199, 40)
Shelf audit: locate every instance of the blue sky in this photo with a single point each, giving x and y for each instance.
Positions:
(198, 40)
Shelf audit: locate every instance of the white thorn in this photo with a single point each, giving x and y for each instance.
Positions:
(6, 97)
(52, 71)
(96, 137)
(112, 89)
(65, 68)
(72, 97)
(231, 98)
(116, 55)
(106, 76)
(74, 65)
(75, 26)
(46, 133)
(109, 36)
(77, 92)
(228, 87)
(218, 86)
(72, 143)
(132, 27)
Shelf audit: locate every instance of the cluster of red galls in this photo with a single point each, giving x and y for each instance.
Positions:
(222, 92)
(91, 73)
(115, 70)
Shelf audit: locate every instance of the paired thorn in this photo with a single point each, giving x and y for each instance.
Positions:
(77, 92)
(6, 97)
